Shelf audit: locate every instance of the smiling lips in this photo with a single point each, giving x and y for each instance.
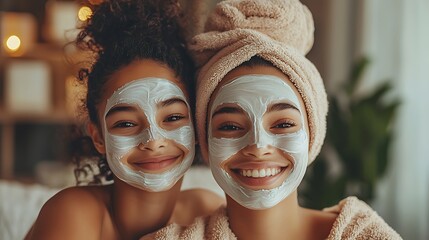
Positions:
(156, 163)
(260, 173)
(259, 177)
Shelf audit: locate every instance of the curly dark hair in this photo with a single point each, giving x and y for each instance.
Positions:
(120, 32)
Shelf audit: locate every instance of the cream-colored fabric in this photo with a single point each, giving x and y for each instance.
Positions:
(214, 227)
(280, 31)
(356, 220)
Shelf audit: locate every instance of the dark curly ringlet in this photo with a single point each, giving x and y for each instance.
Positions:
(122, 31)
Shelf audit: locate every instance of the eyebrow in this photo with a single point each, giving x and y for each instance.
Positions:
(121, 109)
(227, 110)
(280, 107)
(171, 101)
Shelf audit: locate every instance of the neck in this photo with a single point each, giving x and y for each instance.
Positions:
(137, 212)
(278, 222)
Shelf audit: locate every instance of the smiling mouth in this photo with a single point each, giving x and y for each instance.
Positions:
(260, 173)
(157, 164)
(261, 178)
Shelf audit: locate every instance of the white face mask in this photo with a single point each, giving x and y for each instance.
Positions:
(147, 93)
(254, 93)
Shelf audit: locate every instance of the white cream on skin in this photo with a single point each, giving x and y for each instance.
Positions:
(147, 93)
(254, 93)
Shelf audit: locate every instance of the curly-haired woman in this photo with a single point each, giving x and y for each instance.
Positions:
(138, 102)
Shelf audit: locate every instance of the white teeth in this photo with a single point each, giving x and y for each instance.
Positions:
(260, 173)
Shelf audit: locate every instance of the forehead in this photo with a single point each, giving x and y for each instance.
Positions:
(260, 70)
(146, 93)
(145, 68)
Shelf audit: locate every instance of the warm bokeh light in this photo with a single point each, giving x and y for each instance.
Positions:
(84, 13)
(13, 43)
(18, 33)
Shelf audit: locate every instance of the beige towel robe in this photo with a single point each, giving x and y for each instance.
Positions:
(356, 220)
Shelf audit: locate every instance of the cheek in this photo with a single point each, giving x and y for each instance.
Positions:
(223, 149)
(181, 148)
(306, 126)
(129, 156)
(286, 156)
(304, 113)
(225, 163)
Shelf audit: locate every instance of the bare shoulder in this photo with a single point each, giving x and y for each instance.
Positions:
(194, 203)
(320, 223)
(73, 213)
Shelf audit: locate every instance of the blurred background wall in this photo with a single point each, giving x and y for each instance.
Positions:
(396, 35)
(393, 35)
(365, 51)
(38, 95)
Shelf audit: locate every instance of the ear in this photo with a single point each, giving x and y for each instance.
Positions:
(97, 137)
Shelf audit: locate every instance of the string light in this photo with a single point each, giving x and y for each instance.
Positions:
(84, 13)
(13, 43)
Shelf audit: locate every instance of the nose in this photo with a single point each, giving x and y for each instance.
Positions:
(153, 144)
(257, 152)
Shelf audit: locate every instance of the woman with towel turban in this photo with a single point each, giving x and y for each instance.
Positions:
(261, 119)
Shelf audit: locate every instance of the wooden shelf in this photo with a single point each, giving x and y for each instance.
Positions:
(58, 115)
(41, 51)
(51, 117)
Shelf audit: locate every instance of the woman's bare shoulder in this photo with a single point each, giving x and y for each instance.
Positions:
(319, 222)
(72, 213)
(194, 203)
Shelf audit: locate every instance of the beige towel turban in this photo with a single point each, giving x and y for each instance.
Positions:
(279, 31)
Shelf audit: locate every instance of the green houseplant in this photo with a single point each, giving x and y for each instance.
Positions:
(359, 134)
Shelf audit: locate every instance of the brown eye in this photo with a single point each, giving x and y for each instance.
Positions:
(174, 118)
(229, 127)
(283, 126)
(124, 125)
(287, 124)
